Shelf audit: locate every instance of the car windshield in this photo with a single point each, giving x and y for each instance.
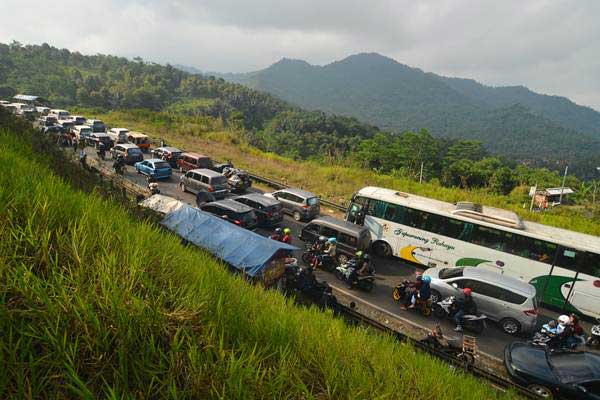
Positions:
(313, 201)
(447, 273)
(161, 164)
(134, 151)
(218, 180)
(570, 367)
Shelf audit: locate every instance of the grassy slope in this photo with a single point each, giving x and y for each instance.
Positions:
(96, 304)
(336, 183)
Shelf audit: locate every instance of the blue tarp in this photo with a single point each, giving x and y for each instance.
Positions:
(243, 249)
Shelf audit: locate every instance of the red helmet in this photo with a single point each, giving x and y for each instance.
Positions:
(467, 291)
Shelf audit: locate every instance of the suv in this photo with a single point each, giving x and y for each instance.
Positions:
(94, 139)
(504, 299)
(268, 210)
(118, 135)
(302, 205)
(204, 180)
(131, 152)
(232, 211)
(188, 161)
(78, 119)
(82, 132)
(168, 154)
(350, 237)
(96, 125)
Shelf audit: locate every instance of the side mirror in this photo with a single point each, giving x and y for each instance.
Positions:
(455, 286)
(224, 217)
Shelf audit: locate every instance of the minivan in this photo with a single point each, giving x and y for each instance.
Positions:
(232, 211)
(118, 135)
(268, 210)
(131, 152)
(502, 298)
(188, 161)
(350, 237)
(302, 205)
(82, 132)
(199, 180)
(96, 125)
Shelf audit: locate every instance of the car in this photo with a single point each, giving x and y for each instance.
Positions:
(48, 120)
(155, 168)
(59, 114)
(504, 299)
(168, 154)
(234, 212)
(53, 129)
(96, 125)
(82, 132)
(67, 124)
(204, 180)
(131, 152)
(302, 205)
(189, 161)
(41, 110)
(94, 139)
(119, 135)
(554, 374)
(350, 237)
(140, 140)
(269, 211)
(78, 119)
(220, 167)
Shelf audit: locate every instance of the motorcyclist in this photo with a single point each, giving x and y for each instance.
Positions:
(464, 306)
(101, 150)
(361, 268)
(83, 158)
(329, 250)
(411, 288)
(277, 235)
(119, 164)
(287, 236)
(578, 337)
(318, 249)
(422, 293)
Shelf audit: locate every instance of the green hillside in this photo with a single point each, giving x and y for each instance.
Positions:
(97, 304)
(512, 122)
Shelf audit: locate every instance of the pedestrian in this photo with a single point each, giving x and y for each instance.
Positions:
(74, 145)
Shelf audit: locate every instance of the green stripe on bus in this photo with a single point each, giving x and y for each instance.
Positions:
(553, 293)
(470, 262)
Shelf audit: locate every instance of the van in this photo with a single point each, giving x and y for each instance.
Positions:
(204, 180)
(350, 237)
(59, 114)
(96, 125)
(82, 132)
(118, 135)
(302, 205)
(130, 152)
(140, 140)
(189, 161)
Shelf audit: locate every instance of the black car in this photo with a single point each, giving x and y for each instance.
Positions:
(554, 374)
(268, 210)
(232, 211)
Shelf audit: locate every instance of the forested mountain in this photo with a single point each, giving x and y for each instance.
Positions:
(510, 121)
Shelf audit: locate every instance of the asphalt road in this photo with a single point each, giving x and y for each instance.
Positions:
(389, 271)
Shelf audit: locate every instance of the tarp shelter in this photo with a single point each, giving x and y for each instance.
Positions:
(162, 204)
(34, 100)
(245, 250)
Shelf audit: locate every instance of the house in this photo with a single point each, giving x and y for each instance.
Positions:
(551, 197)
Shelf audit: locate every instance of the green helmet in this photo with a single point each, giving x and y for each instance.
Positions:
(359, 253)
(287, 231)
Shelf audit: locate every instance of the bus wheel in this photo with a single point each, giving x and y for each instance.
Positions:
(382, 249)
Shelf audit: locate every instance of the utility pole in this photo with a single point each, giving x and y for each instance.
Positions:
(532, 197)
(562, 189)
(421, 173)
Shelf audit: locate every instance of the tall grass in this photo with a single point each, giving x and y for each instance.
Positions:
(334, 182)
(94, 303)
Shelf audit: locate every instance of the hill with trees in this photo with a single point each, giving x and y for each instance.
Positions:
(510, 121)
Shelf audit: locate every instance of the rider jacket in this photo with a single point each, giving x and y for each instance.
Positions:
(467, 304)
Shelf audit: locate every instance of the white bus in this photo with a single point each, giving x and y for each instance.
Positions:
(564, 266)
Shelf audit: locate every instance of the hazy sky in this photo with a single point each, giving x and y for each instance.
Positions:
(551, 46)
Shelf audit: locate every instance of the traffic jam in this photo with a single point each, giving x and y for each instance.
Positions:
(553, 352)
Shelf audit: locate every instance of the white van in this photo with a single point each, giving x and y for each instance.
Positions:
(59, 114)
(118, 135)
(82, 131)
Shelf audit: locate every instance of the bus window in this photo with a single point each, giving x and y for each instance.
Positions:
(568, 258)
(492, 238)
(415, 218)
(458, 229)
(591, 265)
(534, 249)
(394, 212)
(436, 223)
(376, 208)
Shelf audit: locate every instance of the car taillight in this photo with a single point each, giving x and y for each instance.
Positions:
(237, 222)
(533, 312)
(305, 206)
(210, 189)
(270, 214)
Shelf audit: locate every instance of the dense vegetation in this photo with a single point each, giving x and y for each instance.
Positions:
(511, 121)
(337, 181)
(95, 304)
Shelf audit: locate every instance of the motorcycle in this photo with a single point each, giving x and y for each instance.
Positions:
(594, 339)
(446, 309)
(344, 273)
(453, 347)
(153, 188)
(101, 154)
(400, 293)
(303, 280)
(237, 180)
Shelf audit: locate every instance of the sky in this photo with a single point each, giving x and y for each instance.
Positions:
(550, 46)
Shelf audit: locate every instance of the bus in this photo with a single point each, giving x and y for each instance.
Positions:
(564, 266)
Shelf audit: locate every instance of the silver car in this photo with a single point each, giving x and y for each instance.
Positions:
(503, 299)
(302, 205)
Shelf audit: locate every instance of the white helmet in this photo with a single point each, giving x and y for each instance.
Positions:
(564, 320)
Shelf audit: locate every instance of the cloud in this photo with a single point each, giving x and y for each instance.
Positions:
(550, 46)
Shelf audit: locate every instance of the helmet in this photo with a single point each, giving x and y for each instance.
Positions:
(366, 257)
(564, 320)
(332, 240)
(278, 231)
(287, 231)
(427, 279)
(322, 239)
(467, 292)
(359, 253)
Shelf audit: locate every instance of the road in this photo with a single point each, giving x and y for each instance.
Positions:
(389, 271)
